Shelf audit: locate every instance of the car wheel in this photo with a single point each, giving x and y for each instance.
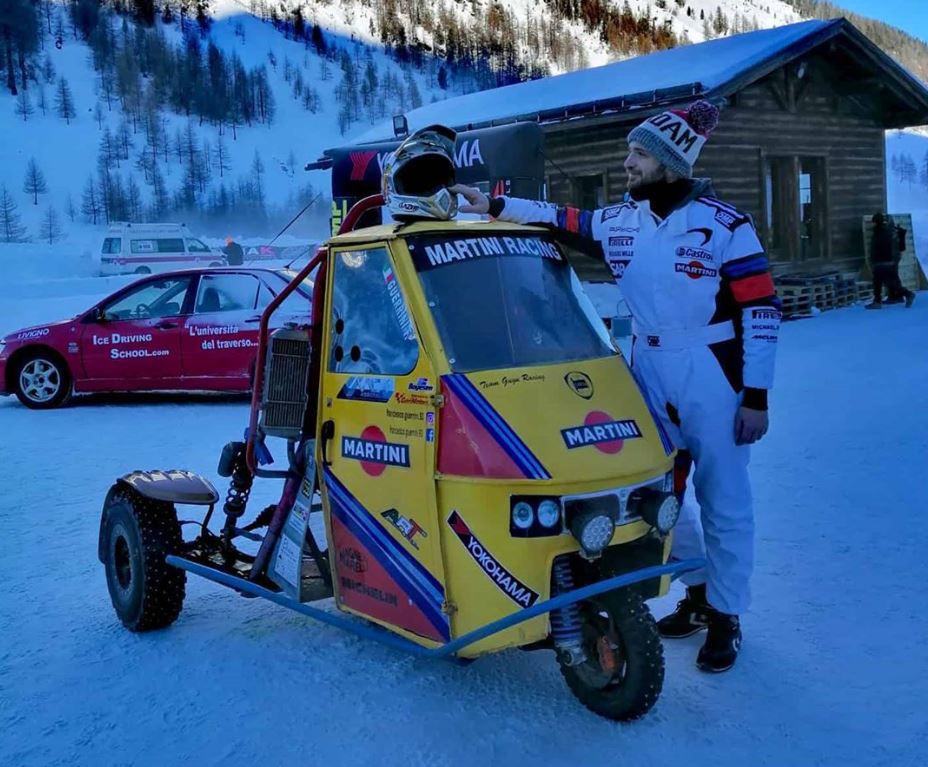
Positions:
(143, 270)
(43, 381)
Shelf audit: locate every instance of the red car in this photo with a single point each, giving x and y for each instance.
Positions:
(195, 329)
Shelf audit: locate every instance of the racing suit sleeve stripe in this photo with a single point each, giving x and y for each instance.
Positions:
(748, 289)
(746, 275)
(520, 211)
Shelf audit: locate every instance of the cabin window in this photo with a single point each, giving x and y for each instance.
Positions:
(371, 329)
(777, 180)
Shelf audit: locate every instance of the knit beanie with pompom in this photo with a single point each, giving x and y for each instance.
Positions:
(677, 136)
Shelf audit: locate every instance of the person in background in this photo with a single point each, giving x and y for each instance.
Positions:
(235, 256)
(885, 255)
(705, 323)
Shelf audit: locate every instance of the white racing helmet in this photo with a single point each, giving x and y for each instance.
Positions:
(417, 174)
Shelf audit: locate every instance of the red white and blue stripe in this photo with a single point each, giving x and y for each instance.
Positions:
(493, 422)
(410, 575)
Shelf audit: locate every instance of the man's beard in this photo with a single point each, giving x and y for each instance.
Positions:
(641, 179)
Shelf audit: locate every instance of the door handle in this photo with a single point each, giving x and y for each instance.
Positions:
(166, 325)
(253, 319)
(328, 432)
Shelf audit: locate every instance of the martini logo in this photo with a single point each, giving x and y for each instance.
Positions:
(602, 432)
(579, 383)
(505, 581)
(374, 452)
(694, 270)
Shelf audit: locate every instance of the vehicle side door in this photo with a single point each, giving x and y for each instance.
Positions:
(133, 338)
(220, 337)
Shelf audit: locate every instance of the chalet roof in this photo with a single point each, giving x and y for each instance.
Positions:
(713, 70)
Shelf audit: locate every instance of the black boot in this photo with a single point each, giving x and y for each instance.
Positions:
(690, 617)
(722, 643)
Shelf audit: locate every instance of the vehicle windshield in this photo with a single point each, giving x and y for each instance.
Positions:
(506, 301)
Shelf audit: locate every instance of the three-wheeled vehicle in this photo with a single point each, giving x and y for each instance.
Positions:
(489, 473)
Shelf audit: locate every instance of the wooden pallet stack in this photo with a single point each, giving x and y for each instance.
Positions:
(799, 293)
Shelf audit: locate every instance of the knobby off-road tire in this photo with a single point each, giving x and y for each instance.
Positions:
(630, 690)
(146, 592)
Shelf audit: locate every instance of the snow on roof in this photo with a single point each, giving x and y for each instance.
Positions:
(711, 64)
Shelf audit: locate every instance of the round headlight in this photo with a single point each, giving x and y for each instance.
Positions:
(595, 533)
(523, 515)
(668, 513)
(549, 513)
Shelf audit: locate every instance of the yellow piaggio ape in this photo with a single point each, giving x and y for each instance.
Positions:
(488, 472)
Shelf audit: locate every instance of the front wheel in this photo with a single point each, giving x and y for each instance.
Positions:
(623, 673)
(146, 592)
(43, 381)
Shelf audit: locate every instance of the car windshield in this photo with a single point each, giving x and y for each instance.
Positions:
(306, 287)
(506, 301)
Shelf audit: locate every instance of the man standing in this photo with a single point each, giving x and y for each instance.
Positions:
(235, 256)
(705, 324)
(884, 263)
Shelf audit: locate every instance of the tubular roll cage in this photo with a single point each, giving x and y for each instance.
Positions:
(374, 632)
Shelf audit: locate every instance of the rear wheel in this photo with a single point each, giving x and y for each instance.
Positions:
(43, 381)
(623, 673)
(146, 592)
(143, 270)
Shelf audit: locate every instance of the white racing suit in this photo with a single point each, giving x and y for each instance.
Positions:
(705, 324)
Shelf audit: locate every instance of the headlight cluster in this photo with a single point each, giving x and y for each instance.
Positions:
(592, 522)
(535, 516)
(659, 509)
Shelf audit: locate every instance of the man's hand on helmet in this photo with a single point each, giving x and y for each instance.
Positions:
(477, 201)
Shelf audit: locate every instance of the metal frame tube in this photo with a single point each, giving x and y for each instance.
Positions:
(448, 649)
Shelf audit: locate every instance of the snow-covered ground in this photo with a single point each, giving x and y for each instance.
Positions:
(833, 670)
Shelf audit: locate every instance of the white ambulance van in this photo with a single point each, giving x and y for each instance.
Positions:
(152, 248)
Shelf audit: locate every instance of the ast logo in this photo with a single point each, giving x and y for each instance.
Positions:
(602, 432)
(694, 270)
(374, 452)
(505, 581)
(367, 389)
(579, 383)
(408, 528)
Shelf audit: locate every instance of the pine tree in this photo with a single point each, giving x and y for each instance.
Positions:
(43, 100)
(257, 170)
(50, 226)
(91, 204)
(34, 183)
(134, 200)
(69, 208)
(24, 106)
(98, 115)
(923, 175)
(159, 194)
(11, 230)
(64, 102)
(221, 155)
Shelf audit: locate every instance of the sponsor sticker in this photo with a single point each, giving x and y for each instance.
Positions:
(694, 270)
(367, 389)
(579, 383)
(420, 384)
(352, 559)
(28, 335)
(613, 212)
(406, 526)
(431, 252)
(504, 580)
(687, 252)
(621, 242)
(399, 308)
(373, 451)
(430, 435)
(601, 431)
(507, 381)
(617, 266)
(410, 399)
(350, 584)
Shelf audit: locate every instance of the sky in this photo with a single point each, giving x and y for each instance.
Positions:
(909, 15)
